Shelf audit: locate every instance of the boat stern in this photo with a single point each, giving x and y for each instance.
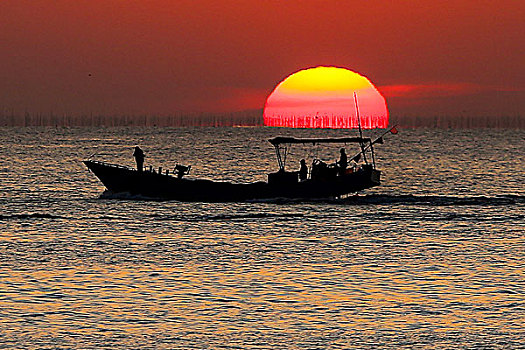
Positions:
(375, 177)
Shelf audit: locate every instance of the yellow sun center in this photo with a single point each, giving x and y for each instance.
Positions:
(323, 97)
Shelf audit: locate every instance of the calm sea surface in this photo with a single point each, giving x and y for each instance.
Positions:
(434, 258)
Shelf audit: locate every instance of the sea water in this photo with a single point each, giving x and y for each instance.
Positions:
(432, 258)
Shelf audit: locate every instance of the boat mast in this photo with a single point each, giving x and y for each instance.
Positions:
(360, 130)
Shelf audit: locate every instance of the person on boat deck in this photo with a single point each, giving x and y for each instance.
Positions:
(139, 158)
(303, 171)
(343, 162)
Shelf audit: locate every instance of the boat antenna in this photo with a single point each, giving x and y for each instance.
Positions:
(360, 130)
(358, 117)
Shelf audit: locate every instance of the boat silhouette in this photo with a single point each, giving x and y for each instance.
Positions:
(323, 181)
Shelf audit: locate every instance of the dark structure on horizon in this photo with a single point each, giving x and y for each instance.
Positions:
(242, 118)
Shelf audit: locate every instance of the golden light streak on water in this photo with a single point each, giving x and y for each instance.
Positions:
(432, 259)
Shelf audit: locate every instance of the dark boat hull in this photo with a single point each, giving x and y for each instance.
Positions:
(120, 180)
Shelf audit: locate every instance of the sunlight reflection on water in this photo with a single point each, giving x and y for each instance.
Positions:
(442, 269)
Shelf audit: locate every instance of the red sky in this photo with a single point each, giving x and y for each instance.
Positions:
(159, 57)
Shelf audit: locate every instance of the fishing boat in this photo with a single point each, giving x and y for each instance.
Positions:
(322, 181)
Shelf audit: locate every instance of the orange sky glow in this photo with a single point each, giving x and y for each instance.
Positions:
(118, 57)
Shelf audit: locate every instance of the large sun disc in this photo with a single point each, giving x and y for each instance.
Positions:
(323, 97)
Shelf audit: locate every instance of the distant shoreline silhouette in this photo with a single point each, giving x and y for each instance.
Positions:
(249, 118)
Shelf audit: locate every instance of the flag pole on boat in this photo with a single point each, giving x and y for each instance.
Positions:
(360, 130)
(392, 130)
(357, 113)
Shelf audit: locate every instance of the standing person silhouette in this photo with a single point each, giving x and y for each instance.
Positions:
(343, 162)
(139, 158)
(303, 171)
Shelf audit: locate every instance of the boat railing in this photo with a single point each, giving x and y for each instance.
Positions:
(111, 165)
(179, 171)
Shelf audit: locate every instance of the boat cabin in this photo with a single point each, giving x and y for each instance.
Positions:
(320, 170)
